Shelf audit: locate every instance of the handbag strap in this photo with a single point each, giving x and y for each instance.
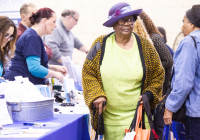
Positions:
(149, 115)
(139, 118)
(174, 130)
(166, 131)
(133, 126)
(194, 41)
(100, 123)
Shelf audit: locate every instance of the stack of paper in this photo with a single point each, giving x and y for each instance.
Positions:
(4, 115)
(23, 133)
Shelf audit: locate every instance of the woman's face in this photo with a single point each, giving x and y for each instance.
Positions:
(124, 26)
(8, 35)
(187, 27)
(51, 24)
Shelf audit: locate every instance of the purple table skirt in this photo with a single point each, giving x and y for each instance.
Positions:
(73, 127)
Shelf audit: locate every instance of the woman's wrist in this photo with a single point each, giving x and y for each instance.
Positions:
(52, 67)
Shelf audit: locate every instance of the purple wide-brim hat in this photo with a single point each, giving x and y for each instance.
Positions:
(119, 11)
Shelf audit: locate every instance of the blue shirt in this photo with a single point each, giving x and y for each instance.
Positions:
(29, 44)
(1, 69)
(186, 78)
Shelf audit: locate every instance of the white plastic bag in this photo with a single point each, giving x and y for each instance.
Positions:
(129, 135)
(20, 90)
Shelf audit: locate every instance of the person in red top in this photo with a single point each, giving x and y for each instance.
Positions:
(26, 11)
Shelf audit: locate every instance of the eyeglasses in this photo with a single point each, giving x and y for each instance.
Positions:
(129, 21)
(75, 18)
(9, 37)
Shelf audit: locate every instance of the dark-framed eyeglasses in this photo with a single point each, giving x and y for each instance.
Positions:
(9, 37)
(75, 18)
(129, 21)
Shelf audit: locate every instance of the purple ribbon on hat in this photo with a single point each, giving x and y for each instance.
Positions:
(118, 12)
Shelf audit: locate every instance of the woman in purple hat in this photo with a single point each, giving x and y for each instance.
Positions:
(120, 68)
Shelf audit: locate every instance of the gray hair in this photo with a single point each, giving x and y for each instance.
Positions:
(68, 13)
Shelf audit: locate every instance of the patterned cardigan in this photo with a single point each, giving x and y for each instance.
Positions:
(152, 81)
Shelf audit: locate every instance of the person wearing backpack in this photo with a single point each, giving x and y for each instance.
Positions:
(185, 82)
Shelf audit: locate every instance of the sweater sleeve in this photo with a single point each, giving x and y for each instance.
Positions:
(92, 83)
(91, 79)
(34, 67)
(163, 52)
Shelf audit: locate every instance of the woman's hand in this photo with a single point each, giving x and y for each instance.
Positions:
(141, 103)
(2, 78)
(61, 69)
(168, 117)
(59, 76)
(98, 103)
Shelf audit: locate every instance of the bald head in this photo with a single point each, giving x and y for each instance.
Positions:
(69, 18)
(68, 12)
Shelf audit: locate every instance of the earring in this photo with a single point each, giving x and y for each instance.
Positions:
(45, 27)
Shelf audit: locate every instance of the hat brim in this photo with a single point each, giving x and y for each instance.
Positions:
(111, 21)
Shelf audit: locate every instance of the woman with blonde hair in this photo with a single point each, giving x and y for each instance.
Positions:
(140, 29)
(8, 36)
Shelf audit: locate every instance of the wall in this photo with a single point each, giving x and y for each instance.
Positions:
(93, 13)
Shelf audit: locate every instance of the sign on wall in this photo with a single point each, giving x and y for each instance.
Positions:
(10, 8)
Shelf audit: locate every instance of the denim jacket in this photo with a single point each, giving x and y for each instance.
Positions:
(186, 79)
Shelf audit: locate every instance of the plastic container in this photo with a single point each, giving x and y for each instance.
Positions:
(32, 111)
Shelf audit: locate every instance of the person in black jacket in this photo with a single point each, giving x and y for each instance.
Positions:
(167, 62)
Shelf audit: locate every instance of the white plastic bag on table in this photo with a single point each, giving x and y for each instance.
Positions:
(29, 89)
(21, 90)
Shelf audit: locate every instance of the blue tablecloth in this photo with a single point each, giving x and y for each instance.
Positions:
(73, 127)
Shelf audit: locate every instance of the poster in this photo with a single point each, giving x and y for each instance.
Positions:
(10, 8)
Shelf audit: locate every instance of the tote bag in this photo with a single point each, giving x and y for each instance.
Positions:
(137, 125)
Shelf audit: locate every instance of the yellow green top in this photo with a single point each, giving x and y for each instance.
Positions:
(121, 73)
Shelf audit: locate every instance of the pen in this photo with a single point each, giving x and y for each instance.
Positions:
(34, 124)
(29, 124)
(47, 124)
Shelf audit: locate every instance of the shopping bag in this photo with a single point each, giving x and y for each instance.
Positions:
(167, 130)
(141, 134)
(137, 124)
(93, 135)
(180, 130)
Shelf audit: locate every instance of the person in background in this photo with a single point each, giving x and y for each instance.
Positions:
(62, 41)
(140, 29)
(26, 11)
(167, 62)
(163, 32)
(8, 37)
(121, 68)
(185, 82)
(30, 57)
